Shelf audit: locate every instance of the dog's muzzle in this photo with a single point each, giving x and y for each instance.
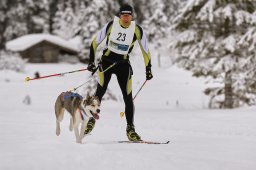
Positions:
(95, 115)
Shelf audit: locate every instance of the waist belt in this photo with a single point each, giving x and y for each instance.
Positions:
(114, 62)
(104, 58)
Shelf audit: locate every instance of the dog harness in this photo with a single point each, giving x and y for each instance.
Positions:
(82, 113)
(66, 96)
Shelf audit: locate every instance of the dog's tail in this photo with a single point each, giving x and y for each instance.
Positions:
(59, 112)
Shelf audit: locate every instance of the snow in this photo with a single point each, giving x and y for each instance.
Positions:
(24, 42)
(230, 43)
(170, 107)
(206, 12)
(77, 41)
(228, 12)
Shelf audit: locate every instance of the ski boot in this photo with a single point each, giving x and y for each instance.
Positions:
(90, 126)
(131, 134)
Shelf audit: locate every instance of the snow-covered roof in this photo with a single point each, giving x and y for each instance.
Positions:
(24, 42)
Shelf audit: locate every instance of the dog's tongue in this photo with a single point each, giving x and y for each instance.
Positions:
(96, 116)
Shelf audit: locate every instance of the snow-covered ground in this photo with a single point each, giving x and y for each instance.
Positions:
(170, 107)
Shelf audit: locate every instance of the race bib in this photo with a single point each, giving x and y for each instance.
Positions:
(121, 38)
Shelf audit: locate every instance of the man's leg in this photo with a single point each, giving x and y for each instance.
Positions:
(124, 77)
(104, 79)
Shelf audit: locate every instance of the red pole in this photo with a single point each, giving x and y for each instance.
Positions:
(53, 75)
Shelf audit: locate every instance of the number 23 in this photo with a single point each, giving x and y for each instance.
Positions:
(121, 35)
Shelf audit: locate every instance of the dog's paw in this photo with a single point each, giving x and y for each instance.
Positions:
(79, 141)
(58, 132)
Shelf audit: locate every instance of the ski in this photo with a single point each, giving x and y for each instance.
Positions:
(145, 142)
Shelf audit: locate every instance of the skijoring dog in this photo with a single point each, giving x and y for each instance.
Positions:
(80, 110)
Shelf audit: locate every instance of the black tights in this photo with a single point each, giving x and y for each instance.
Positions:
(123, 72)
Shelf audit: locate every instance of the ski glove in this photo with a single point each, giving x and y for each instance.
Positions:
(149, 75)
(91, 67)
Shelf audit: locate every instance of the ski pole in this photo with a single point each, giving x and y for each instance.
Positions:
(122, 113)
(140, 89)
(53, 75)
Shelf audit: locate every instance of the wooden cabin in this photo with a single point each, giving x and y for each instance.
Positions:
(42, 48)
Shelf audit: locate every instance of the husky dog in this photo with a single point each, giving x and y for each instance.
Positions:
(80, 110)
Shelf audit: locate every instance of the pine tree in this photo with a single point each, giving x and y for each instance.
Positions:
(11, 61)
(16, 20)
(93, 15)
(155, 25)
(3, 10)
(112, 8)
(22, 17)
(53, 8)
(65, 21)
(208, 36)
(38, 19)
(89, 25)
(245, 84)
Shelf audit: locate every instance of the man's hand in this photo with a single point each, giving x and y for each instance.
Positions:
(149, 75)
(91, 67)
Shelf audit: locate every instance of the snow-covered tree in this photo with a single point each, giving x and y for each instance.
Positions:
(38, 19)
(3, 10)
(112, 8)
(11, 61)
(93, 15)
(215, 39)
(172, 7)
(89, 25)
(246, 81)
(157, 23)
(22, 17)
(65, 21)
(158, 16)
(16, 18)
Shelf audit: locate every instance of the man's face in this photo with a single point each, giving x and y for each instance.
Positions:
(126, 18)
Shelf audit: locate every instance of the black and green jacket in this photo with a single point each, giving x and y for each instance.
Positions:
(105, 33)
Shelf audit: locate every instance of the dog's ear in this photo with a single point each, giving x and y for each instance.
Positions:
(97, 98)
(88, 96)
(87, 100)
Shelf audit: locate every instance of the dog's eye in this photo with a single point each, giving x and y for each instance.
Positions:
(93, 105)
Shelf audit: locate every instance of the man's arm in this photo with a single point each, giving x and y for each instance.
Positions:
(142, 40)
(101, 35)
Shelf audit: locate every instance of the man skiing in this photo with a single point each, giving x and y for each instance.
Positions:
(121, 34)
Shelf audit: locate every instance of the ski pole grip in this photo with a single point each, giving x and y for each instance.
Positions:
(95, 70)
